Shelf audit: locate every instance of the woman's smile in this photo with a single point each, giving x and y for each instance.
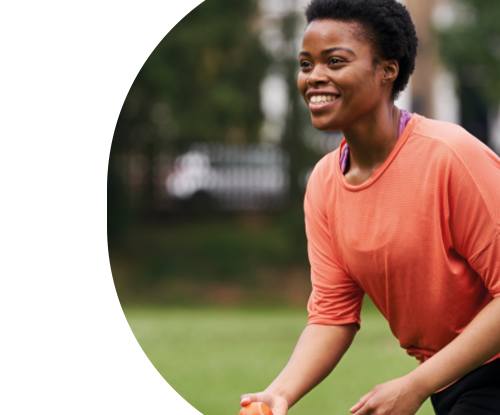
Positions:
(321, 101)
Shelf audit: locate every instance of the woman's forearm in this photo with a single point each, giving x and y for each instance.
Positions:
(317, 352)
(478, 343)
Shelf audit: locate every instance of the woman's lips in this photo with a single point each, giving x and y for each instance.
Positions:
(322, 105)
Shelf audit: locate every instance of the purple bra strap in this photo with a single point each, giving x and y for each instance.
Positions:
(404, 119)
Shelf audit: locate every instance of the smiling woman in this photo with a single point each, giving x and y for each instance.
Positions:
(407, 211)
(338, 84)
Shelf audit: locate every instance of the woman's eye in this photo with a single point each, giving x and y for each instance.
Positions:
(305, 64)
(334, 61)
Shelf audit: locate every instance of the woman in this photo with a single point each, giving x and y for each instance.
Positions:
(407, 210)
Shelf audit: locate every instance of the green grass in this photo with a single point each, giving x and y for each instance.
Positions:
(212, 356)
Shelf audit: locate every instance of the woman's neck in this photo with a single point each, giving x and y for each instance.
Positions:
(370, 141)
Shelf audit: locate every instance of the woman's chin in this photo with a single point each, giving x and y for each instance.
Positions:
(325, 125)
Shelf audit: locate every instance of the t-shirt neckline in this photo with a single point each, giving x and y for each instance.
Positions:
(377, 173)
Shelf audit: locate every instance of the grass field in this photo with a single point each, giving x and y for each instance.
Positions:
(212, 356)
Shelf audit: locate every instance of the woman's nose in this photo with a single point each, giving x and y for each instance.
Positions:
(317, 76)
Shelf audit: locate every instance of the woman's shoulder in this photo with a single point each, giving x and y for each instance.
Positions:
(322, 177)
(450, 141)
(445, 133)
(439, 131)
(325, 167)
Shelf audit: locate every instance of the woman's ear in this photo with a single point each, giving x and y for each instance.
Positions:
(391, 71)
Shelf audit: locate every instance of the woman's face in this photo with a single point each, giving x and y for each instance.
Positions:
(338, 79)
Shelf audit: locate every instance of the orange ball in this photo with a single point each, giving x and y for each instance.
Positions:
(256, 408)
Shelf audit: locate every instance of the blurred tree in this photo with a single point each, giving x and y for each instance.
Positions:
(201, 83)
(298, 118)
(469, 35)
(470, 44)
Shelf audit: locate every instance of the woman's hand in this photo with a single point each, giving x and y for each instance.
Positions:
(479, 342)
(318, 351)
(277, 403)
(397, 397)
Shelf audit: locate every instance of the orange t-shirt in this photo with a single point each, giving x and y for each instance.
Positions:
(421, 237)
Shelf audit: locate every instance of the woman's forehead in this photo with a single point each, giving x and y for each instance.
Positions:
(333, 32)
(335, 27)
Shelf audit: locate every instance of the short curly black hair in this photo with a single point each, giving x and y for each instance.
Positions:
(386, 24)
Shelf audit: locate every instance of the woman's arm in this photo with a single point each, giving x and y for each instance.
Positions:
(478, 343)
(317, 352)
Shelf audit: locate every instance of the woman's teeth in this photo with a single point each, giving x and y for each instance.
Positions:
(322, 98)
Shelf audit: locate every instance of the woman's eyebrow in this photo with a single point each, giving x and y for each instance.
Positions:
(329, 50)
(335, 48)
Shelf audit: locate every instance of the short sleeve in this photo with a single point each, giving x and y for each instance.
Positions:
(487, 264)
(475, 209)
(336, 299)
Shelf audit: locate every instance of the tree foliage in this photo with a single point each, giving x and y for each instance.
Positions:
(201, 82)
(470, 45)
